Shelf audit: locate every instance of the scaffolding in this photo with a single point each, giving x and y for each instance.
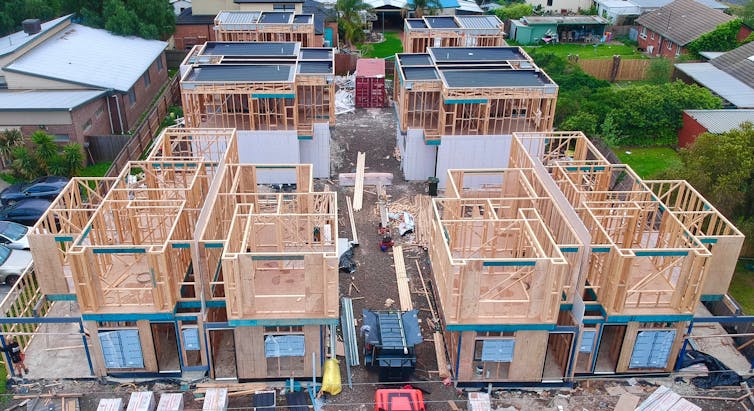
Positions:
(452, 31)
(473, 91)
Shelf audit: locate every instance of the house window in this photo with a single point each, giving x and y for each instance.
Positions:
(159, 64)
(493, 357)
(677, 51)
(281, 7)
(88, 125)
(643, 32)
(549, 3)
(284, 349)
(147, 80)
(132, 96)
(99, 112)
(61, 138)
(3, 83)
(653, 35)
(670, 45)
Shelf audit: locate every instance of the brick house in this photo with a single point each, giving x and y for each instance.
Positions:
(697, 122)
(666, 31)
(75, 81)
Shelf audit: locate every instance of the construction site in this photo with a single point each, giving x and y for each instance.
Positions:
(267, 26)
(266, 250)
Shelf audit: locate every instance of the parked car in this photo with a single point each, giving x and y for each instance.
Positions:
(26, 212)
(13, 235)
(12, 264)
(44, 187)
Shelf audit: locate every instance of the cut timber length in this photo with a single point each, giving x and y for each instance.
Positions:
(358, 191)
(404, 292)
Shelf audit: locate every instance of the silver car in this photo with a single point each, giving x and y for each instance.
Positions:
(12, 264)
(13, 235)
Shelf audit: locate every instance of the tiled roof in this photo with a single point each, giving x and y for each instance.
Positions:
(683, 21)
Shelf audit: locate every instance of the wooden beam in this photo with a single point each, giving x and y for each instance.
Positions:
(404, 291)
(358, 191)
(355, 240)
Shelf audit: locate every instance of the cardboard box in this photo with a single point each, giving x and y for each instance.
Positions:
(141, 401)
(110, 404)
(215, 399)
(170, 402)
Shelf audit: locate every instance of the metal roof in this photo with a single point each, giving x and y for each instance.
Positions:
(92, 57)
(494, 78)
(469, 6)
(720, 83)
(683, 21)
(49, 100)
(15, 41)
(480, 54)
(534, 20)
(407, 4)
(242, 73)
(441, 22)
(479, 22)
(656, 4)
(228, 18)
(738, 62)
(230, 48)
(721, 121)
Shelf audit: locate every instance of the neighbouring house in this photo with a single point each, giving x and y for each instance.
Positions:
(180, 5)
(618, 12)
(274, 21)
(562, 29)
(729, 75)
(561, 6)
(624, 12)
(666, 31)
(697, 122)
(452, 31)
(76, 81)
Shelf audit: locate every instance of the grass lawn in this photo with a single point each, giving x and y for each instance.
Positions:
(96, 170)
(742, 288)
(589, 51)
(387, 48)
(648, 162)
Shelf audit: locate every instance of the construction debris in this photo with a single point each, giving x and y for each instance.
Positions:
(665, 399)
(344, 96)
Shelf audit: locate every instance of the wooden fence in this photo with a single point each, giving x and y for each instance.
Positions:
(615, 69)
(345, 63)
(107, 147)
(175, 57)
(142, 135)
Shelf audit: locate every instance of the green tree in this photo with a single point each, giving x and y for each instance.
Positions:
(9, 140)
(581, 121)
(72, 159)
(721, 167)
(514, 11)
(723, 38)
(349, 19)
(746, 12)
(425, 7)
(46, 158)
(659, 71)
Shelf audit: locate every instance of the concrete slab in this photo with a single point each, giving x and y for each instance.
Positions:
(57, 351)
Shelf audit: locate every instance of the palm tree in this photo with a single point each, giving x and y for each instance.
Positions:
(9, 139)
(425, 7)
(349, 18)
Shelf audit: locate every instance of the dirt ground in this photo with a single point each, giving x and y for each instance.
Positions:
(373, 132)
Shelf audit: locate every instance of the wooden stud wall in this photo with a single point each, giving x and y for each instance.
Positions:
(299, 32)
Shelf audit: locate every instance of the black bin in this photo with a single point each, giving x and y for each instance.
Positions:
(432, 186)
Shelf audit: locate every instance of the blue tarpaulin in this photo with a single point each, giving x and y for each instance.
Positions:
(652, 349)
(498, 350)
(284, 346)
(121, 349)
(587, 340)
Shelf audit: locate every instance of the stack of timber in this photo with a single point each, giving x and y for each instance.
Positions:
(234, 389)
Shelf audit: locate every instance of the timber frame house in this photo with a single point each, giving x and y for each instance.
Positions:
(565, 264)
(265, 26)
(452, 31)
(186, 262)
